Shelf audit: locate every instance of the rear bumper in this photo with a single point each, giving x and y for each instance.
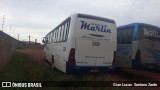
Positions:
(73, 69)
(138, 64)
(152, 66)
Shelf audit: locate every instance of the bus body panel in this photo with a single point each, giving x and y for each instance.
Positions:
(124, 54)
(145, 50)
(86, 26)
(86, 38)
(60, 56)
(77, 37)
(94, 52)
(134, 48)
(150, 53)
(48, 52)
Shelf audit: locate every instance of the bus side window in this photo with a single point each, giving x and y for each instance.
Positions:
(46, 40)
(67, 31)
(124, 36)
(138, 35)
(64, 33)
(57, 35)
(52, 37)
(127, 35)
(119, 36)
(60, 33)
(49, 39)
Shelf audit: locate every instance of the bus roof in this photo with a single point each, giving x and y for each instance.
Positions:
(84, 16)
(137, 23)
(95, 17)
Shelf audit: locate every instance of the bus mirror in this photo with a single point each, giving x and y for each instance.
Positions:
(45, 40)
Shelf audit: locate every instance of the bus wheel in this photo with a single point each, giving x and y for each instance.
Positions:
(52, 63)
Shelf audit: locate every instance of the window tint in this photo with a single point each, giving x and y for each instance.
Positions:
(53, 36)
(124, 35)
(119, 37)
(61, 38)
(49, 38)
(64, 31)
(56, 32)
(67, 31)
(60, 33)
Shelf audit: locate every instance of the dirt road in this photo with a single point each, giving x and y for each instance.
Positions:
(127, 74)
(37, 55)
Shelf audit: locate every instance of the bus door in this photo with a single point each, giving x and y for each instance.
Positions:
(124, 53)
(150, 52)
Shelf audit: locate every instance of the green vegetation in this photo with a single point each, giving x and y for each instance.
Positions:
(23, 68)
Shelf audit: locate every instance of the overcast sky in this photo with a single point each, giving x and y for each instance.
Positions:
(37, 17)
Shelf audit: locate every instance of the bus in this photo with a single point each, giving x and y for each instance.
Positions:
(81, 44)
(138, 46)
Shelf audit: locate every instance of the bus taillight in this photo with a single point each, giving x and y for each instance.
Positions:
(114, 58)
(71, 58)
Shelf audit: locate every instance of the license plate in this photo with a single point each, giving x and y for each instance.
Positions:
(93, 70)
(150, 66)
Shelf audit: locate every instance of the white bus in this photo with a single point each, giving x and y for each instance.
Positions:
(138, 46)
(82, 43)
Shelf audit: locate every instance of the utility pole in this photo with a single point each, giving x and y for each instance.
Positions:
(35, 41)
(13, 33)
(29, 38)
(18, 36)
(3, 23)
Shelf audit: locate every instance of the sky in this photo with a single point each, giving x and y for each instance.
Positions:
(37, 17)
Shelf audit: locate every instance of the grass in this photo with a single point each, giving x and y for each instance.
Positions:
(23, 68)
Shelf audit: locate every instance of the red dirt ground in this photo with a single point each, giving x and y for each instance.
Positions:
(37, 55)
(127, 74)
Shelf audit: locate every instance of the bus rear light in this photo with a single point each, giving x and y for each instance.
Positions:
(71, 58)
(114, 58)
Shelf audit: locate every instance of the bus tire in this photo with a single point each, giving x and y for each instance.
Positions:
(52, 62)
